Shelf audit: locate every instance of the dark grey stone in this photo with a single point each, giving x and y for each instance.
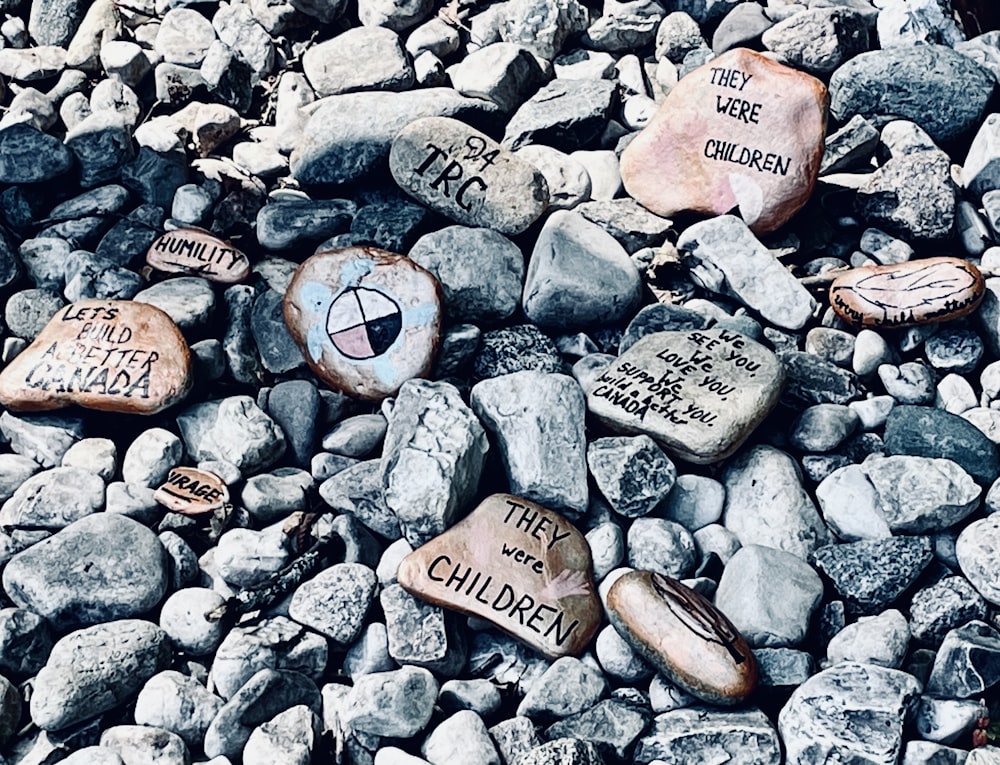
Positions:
(25, 642)
(563, 751)
(742, 26)
(238, 342)
(699, 733)
(154, 177)
(612, 726)
(285, 225)
(54, 22)
(104, 200)
(967, 663)
(627, 221)
(853, 145)
(565, 114)
(516, 349)
(277, 348)
(102, 144)
(294, 405)
(393, 226)
(942, 606)
(513, 737)
(812, 380)
(357, 490)
(660, 317)
(632, 473)
(422, 634)
(28, 155)
(954, 350)
(127, 241)
(782, 667)
(567, 687)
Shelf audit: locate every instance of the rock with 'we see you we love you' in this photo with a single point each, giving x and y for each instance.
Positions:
(741, 133)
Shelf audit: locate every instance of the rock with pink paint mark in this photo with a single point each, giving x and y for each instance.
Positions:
(741, 133)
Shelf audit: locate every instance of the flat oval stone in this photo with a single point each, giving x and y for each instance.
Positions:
(683, 635)
(741, 131)
(367, 320)
(699, 394)
(516, 564)
(909, 293)
(468, 176)
(198, 253)
(112, 355)
(190, 491)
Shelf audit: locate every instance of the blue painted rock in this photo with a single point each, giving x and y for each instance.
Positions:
(365, 319)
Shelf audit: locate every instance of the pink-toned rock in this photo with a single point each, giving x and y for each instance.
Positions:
(198, 253)
(113, 355)
(742, 132)
(366, 320)
(522, 567)
(190, 491)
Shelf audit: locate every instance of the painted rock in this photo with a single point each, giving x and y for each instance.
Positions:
(683, 635)
(904, 294)
(199, 253)
(520, 566)
(467, 176)
(740, 133)
(699, 393)
(113, 355)
(366, 320)
(192, 492)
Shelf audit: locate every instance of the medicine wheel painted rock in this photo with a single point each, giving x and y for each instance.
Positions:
(367, 320)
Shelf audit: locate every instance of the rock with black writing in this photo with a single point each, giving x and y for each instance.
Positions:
(112, 355)
(908, 293)
(196, 252)
(367, 320)
(699, 394)
(741, 132)
(517, 564)
(683, 635)
(190, 491)
(467, 176)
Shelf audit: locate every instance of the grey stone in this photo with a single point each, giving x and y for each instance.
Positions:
(356, 436)
(15, 470)
(889, 200)
(818, 40)
(881, 640)
(656, 544)
(513, 737)
(929, 753)
(611, 725)
(823, 427)
(240, 31)
(607, 548)
(562, 751)
(357, 490)
(479, 695)
(626, 220)
(53, 499)
(568, 180)
(507, 350)
(397, 703)
(246, 558)
(974, 550)
(852, 712)
(743, 737)
(677, 35)
(851, 506)
(632, 473)
(28, 156)
(184, 36)
(420, 633)
(923, 74)
(101, 145)
(782, 667)
(944, 605)
(153, 177)
(742, 26)
(567, 687)
(25, 642)
(565, 114)
(268, 336)
(95, 669)
(335, 601)
(369, 653)
(769, 595)
(503, 72)
(922, 494)
(28, 311)
(364, 58)
(541, 436)
(270, 497)
(185, 617)
(183, 561)
(909, 383)
(811, 380)
(234, 430)
(101, 567)
(946, 720)
(967, 663)
(98, 456)
(188, 300)
(461, 739)
(542, 27)
(914, 23)
(151, 456)
(45, 439)
(694, 501)
(285, 225)
(289, 737)
(143, 743)
(294, 405)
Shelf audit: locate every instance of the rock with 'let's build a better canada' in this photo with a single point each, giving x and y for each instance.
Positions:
(112, 355)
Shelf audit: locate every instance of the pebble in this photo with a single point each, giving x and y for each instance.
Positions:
(269, 497)
(709, 123)
(53, 499)
(233, 430)
(632, 473)
(741, 736)
(135, 741)
(289, 737)
(662, 546)
(335, 601)
(889, 200)
(694, 501)
(565, 114)
(398, 703)
(25, 642)
(881, 640)
(151, 456)
(567, 687)
(185, 618)
(334, 66)
(683, 636)
(462, 739)
(364, 340)
(910, 383)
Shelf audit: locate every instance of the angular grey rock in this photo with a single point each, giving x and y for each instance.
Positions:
(233, 430)
(568, 180)
(95, 669)
(542, 27)
(10, 710)
(479, 695)
(240, 31)
(625, 25)
(335, 601)
(578, 276)
(461, 739)
(566, 688)
(504, 73)
(909, 383)
(246, 558)
(626, 220)
(101, 145)
(270, 497)
(975, 550)
(288, 224)
(942, 606)
(25, 642)
(889, 200)
(276, 643)
(93, 755)
(852, 712)
(177, 703)
(741, 737)
(288, 737)
(28, 156)
(565, 114)
(513, 737)
(851, 506)
(141, 742)
(881, 640)
(357, 490)
(656, 544)
(851, 146)
(947, 720)
(929, 753)
(819, 39)
(364, 58)
(102, 567)
(914, 23)
(769, 595)
(725, 257)
(184, 37)
(45, 439)
(902, 82)
(53, 499)
(481, 272)
(538, 421)
(822, 428)
(432, 435)
(397, 703)
(611, 725)
(151, 456)
(511, 349)
(783, 667)
(632, 473)
(397, 15)
(420, 633)
(922, 494)
(767, 505)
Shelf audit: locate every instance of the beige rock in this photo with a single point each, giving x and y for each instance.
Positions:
(741, 131)
(520, 566)
(112, 355)
(683, 635)
(366, 320)
(909, 293)
(197, 252)
(699, 394)
(190, 491)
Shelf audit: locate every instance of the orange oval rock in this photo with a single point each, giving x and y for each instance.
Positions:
(190, 491)
(905, 294)
(683, 635)
(517, 564)
(112, 355)
(199, 253)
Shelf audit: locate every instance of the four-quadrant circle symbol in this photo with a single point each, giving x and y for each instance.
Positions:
(363, 323)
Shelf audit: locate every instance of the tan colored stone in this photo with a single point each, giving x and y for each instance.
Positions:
(366, 320)
(905, 294)
(199, 253)
(112, 355)
(190, 491)
(467, 176)
(683, 635)
(699, 394)
(522, 567)
(740, 132)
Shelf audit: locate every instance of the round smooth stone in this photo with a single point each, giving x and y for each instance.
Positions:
(467, 176)
(907, 294)
(367, 320)
(683, 635)
(112, 355)
(196, 252)
(190, 491)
